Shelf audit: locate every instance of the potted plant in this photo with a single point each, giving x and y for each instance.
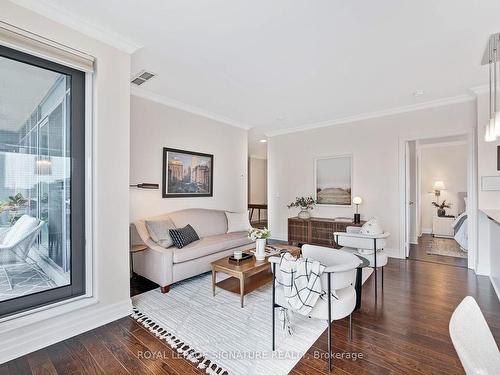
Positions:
(305, 204)
(260, 237)
(441, 207)
(16, 205)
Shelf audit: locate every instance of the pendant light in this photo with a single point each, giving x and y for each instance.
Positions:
(490, 131)
(493, 125)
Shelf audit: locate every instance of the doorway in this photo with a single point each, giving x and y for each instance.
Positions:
(437, 176)
(257, 191)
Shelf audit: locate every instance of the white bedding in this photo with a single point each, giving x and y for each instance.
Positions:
(460, 228)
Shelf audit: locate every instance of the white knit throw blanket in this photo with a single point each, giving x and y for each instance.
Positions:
(301, 280)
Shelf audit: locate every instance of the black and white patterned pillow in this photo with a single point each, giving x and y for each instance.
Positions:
(184, 236)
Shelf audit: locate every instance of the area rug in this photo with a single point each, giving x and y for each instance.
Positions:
(445, 246)
(219, 335)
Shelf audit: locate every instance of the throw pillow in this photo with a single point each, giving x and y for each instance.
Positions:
(159, 231)
(238, 222)
(184, 236)
(372, 227)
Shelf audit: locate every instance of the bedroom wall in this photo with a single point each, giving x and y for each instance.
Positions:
(443, 162)
(153, 126)
(375, 147)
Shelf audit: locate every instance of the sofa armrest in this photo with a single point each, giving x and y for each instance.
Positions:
(155, 263)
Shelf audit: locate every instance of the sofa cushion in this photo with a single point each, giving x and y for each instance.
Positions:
(372, 227)
(159, 231)
(184, 236)
(205, 222)
(238, 222)
(210, 245)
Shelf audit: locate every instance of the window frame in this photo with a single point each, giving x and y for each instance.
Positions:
(78, 284)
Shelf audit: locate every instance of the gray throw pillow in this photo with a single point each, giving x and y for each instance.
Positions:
(159, 231)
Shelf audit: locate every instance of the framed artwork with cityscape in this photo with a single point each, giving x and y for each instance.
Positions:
(187, 174)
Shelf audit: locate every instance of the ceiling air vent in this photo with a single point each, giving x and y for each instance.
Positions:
(142, 77)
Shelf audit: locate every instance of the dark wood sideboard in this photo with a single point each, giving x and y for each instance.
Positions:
(316, 230)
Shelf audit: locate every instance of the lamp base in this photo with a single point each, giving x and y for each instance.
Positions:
(357, 219)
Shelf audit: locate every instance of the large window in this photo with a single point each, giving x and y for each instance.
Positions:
(42, 169)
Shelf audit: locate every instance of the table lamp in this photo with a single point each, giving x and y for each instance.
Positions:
(437, 187)
(357, 217)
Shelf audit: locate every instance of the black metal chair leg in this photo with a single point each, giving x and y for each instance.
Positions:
(375, 261)
(382, 278)
(329, 326)
(274, 298)
(350, 327)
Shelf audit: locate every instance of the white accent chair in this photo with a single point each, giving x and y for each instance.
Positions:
(16, 242)
(339, 275)
(365, 246)
(473, 340)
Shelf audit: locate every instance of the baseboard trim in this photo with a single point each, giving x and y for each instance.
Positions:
(393, 253)
(46, 333)
(426, 230)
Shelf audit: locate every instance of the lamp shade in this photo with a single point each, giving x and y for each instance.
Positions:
(357, 200)
(439, 185)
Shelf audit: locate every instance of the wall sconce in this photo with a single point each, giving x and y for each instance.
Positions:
(146, 185)
(357, 217)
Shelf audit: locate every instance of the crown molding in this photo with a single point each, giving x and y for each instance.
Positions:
(145, 94)
(77, 23)
(377, 114)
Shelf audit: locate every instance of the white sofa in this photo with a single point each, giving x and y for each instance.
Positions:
(166, 266)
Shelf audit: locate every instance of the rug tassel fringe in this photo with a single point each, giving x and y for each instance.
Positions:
(175, 343)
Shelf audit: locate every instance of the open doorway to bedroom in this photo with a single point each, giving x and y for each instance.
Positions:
(437, 187)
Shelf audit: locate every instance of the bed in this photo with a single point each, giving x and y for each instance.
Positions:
(460, 224)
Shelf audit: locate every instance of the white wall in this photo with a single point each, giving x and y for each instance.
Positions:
(487, 157)
(375, 146)
(110, 150)
(488, 249)
(447, 163)
(257, 186)
(154, 126)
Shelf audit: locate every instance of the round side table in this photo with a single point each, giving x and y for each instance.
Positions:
(135, 249)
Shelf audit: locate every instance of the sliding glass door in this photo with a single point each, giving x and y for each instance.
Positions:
(42, 185)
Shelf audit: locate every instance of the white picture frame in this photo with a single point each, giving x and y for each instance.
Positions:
(333, 180)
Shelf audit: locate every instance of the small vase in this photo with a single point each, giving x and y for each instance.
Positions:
(260, 249)
(304, 213)
(441, 212)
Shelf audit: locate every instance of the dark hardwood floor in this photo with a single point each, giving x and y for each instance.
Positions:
(419, 252)
(404, 332)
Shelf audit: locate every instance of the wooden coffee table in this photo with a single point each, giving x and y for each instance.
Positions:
(246, 276)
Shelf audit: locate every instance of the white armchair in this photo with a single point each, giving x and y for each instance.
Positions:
(369, 247)
(16, 242)
(473, 340)
(339, 275)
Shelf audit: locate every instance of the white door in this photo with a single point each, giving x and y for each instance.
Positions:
(408, 201)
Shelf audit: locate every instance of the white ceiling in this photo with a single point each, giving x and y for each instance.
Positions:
(284, 64)
(25, 86)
